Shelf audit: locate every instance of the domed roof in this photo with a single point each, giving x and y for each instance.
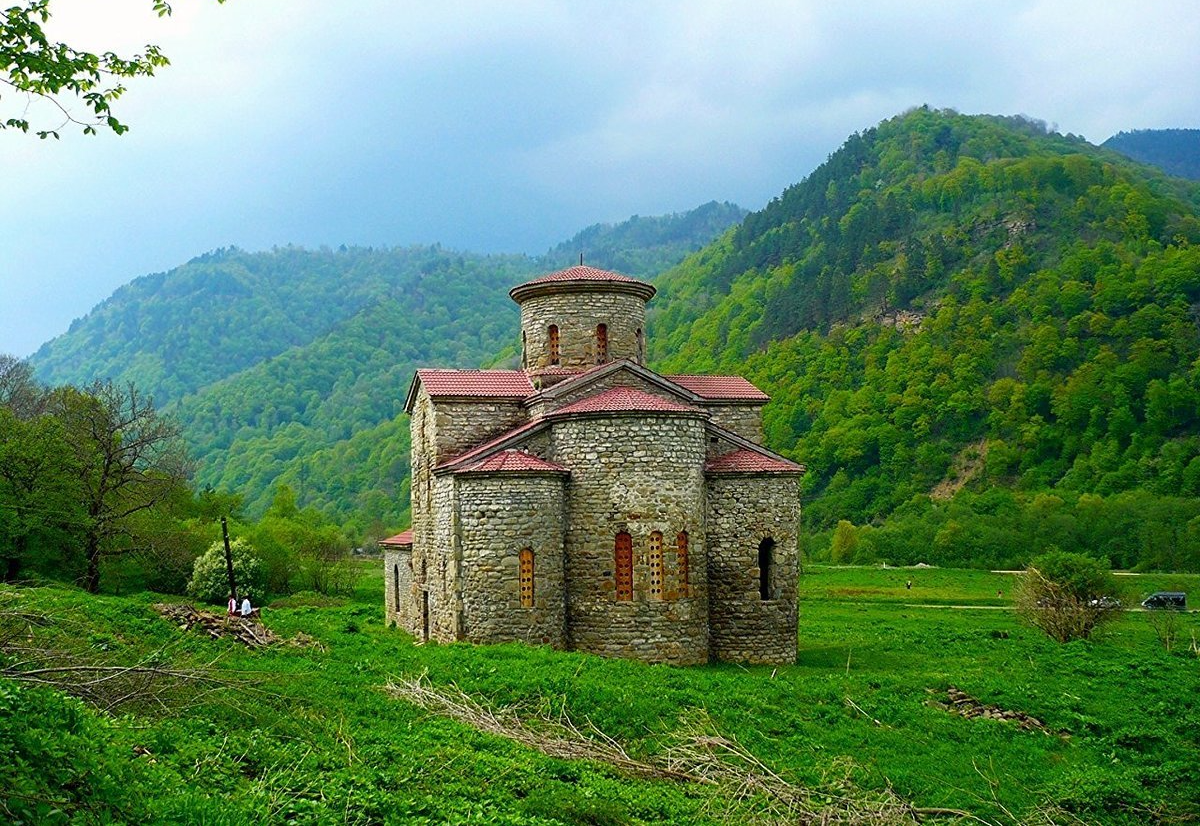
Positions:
(581, 278)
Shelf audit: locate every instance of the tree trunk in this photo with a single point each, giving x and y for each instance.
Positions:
(13, 569)
(92, 578)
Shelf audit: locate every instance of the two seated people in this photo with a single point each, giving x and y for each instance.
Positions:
(246, 611)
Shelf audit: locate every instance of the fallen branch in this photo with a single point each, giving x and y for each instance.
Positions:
(701, 755)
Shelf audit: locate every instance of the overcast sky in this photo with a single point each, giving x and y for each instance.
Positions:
(508, 125)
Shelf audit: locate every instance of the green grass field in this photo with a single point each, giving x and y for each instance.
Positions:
(312, 737)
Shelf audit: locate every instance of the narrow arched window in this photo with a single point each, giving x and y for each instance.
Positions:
(766, 564)
(623, 566)
(681, 562)
(553, 339)
(601, 343)
(655, 558)
(525, 574)
(524, 352)
(395, 587)
(641, 345)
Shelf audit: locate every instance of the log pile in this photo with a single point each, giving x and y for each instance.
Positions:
(962, 703)
(247, 630)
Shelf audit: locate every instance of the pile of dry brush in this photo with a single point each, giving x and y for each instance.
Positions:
(749, 790)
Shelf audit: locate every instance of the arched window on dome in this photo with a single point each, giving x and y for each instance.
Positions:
(525, 577)
(552, 335)
(681, 563)
(623, 566)
(641, 346)
(524, 352)
(655, 558)
(601, 344)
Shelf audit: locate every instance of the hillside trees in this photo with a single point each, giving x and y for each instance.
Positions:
(948, 287)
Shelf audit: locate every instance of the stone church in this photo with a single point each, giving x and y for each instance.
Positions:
(589, 503)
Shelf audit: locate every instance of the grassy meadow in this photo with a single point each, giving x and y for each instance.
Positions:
(308, 735)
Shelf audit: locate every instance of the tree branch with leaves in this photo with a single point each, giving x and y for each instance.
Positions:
(34, 66)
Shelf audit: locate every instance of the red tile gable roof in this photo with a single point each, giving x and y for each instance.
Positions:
(622, 399)
(495, 384)
(512, 460)
(750, 461)
(402, 538)
(733, 388)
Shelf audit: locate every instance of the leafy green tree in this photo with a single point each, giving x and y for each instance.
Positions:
(39, 487)
(210, 581)
(34, 66)
(844, 543)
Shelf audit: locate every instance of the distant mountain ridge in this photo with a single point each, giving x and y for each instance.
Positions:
(1175, 151)
(979, 335)
(281, 365)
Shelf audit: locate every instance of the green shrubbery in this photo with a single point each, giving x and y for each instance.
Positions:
(210, 575)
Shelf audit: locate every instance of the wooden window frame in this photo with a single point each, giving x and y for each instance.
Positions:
(525, 577)
(654, 560)
(601, 343)
(682, 564)
(623, 567)
(554, 345)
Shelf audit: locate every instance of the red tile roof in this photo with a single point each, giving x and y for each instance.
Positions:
(619, 399)
(578, 276)
(750, 461)
(495, 384)
(513, 460)
(582, 273)
(402, 538)
(721, 388)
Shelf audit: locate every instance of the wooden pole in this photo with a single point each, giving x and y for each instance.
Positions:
(229, 560)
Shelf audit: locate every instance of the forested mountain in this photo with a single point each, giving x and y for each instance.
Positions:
(646, 246)
(1175, 151)
(980, 336)
(290, 366)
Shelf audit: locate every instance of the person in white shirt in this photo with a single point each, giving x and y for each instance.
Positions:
(246, 609)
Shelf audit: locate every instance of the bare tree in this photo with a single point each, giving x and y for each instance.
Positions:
(1066, 595)
(131, 460)
(19, 390)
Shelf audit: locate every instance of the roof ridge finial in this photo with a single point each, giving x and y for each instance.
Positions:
(581, 259)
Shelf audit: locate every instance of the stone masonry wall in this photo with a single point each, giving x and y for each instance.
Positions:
(499, 515)
(577, 315)
(464, 425)
(638, 473)
(743, 419)
(445, 604)
(618, 378)
(742, 511)
(423, 456)
(397, 588)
